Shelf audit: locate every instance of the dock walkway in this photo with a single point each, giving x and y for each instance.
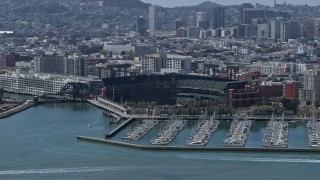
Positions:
(119, 128)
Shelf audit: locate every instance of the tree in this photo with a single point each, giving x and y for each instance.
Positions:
(104, 52)
(317, 104)
(308, 103)
(131, 54)
(290, 104)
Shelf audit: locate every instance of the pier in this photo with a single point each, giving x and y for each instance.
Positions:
(313, 127)
(171, 130)
(17, 109)
(119, 128)
(277, 134)
(203, 133)
(142, 129)
(238, 133)
(110, 106)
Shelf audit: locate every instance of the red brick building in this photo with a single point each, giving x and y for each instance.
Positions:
(268, 91)
(244, 97)
(290, 90)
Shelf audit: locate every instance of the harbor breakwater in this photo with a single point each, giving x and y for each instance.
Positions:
(17, 109)
(197, 148)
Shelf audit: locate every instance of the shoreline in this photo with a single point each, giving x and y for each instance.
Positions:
(199, 149)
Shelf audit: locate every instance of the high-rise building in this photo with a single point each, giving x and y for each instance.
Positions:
(275, 30)
(311, 90)
(7, 60)
(200, 16)
(155, 19)
(247, 30)
(312, 28)
(251, 13)
(50, 64)
(219, 17)
(263, 31)
(177, 23)
(76, 67)
(141, 26)
(242, 7)
(289, 30)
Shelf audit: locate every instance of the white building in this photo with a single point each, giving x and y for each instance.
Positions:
(118, 49)
(177, 64)
(38, 84)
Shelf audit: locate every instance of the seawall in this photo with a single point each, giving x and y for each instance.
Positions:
(186, 148)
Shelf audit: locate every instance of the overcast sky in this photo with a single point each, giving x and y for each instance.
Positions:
(173, 3)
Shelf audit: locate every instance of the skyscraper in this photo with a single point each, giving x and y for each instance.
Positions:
(200, 16)
(251, 13)
(312, 28)
(289, 30)
(219, 17)
(275, 30)
(242, 7)
(155, 19)
(263, 31)
(141, 27)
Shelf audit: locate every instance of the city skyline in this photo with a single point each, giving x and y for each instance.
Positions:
(170, 3)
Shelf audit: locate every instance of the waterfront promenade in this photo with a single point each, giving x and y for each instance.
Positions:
(123, 113)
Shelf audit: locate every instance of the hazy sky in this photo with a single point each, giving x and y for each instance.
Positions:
(172, 3)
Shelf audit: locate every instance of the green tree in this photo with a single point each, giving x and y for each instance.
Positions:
(104, 52)
(290, 104)
(131, 54)
(308, 103)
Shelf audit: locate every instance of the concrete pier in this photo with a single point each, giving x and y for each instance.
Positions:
(17, 109)
(197, 148)
(119, 128)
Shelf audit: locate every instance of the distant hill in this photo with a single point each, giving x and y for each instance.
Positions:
(127, 4)
(205, 6)
(45, 6)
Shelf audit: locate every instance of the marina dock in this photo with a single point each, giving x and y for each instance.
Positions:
(142, 129)
(171, 130)
(238, 133)
(313, 127)
(203, 133)
(277, 134)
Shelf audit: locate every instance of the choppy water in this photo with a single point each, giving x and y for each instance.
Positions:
(40, 143)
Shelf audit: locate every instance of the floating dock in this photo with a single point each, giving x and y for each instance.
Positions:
(276, 135)
(203, 133)
(171, 130)
(313, 127)
(142, 129)
(238, 133)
